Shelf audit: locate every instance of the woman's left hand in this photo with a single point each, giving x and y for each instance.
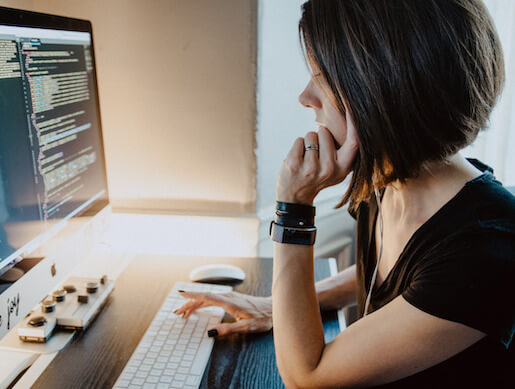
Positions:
(304, 173)
(252, 313)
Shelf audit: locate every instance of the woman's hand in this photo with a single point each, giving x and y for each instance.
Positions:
(253, 314)
(304, 173)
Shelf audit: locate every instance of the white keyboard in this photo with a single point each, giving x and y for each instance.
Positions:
(174, 351)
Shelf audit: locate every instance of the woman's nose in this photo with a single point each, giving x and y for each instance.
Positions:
(308, 98)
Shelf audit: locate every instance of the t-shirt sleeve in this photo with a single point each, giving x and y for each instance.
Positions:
(470, 280)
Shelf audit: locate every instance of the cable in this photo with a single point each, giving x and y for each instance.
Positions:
(374, 275)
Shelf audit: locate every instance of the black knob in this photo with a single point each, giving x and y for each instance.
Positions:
(48, 306)
(37, 321)
(92, 287)
(83, 298)
(104, 279)
(70, 288)
(59, 295)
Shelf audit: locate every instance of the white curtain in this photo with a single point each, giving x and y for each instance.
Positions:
(496, 145)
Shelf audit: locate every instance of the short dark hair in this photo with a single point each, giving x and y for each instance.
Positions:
(419, 78)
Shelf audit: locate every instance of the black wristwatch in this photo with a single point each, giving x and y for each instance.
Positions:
(293, 235)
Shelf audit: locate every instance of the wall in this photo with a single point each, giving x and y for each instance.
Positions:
(177, 92)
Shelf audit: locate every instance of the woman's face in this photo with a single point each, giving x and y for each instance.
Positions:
(318, 96)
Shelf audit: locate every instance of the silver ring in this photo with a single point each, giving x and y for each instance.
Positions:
(311, 147)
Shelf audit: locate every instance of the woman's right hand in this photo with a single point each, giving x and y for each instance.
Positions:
(252, 313)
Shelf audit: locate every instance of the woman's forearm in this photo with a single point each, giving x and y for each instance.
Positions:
(337, 291)
(298, 331)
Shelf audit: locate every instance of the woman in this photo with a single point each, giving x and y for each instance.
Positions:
(398, 88)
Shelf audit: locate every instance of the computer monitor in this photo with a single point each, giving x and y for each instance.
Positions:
(53, 187)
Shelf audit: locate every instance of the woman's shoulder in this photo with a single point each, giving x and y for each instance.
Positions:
(489, 204)
(479, 222)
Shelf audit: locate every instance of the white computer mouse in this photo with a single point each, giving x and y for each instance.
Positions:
(217, 272)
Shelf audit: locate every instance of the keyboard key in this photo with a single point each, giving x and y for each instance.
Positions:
(138, 381)
(180, 377)
(148, 361)
(166, 379)
(122, 383)
(197, 338)
(152, 379)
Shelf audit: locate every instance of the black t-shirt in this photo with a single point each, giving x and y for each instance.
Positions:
(459, 266)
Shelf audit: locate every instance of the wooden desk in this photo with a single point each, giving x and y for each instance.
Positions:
(96, 357)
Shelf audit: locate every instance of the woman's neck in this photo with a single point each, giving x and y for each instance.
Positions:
(419, 198)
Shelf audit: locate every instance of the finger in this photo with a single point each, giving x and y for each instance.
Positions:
(210, 299)
(311, 156)
(189, 307)
(296, 151)
(347, 153)
(224, 329)
(327, 154)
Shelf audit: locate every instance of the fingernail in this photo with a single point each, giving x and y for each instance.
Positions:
(181, 291)
(175, 311)
(212, 333)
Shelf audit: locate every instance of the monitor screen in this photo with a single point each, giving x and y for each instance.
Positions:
(52, 165)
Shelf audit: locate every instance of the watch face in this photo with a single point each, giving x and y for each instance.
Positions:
(291, 235)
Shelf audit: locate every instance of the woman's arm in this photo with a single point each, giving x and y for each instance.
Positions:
(298, 331)
(396, 341)
(337, 291)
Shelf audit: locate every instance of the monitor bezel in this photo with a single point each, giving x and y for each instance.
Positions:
(21, 18)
